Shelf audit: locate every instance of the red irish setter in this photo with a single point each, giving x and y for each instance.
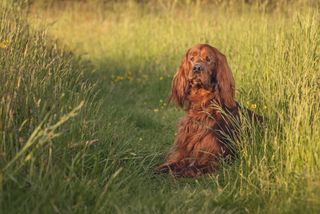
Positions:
(205, 88)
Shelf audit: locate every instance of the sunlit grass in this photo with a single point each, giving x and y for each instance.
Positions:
(135, 51)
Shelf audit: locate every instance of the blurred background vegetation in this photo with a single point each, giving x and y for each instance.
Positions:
(268, 4)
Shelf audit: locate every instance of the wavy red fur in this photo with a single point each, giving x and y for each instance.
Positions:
(204, 87)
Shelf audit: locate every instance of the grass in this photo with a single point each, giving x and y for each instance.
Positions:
(84, 118)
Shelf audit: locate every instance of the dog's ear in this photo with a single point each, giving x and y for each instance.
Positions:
(225, 81)
(180, 83)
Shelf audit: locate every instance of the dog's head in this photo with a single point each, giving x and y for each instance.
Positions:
(205, 67)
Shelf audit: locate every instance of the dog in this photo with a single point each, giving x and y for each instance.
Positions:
(204, 86)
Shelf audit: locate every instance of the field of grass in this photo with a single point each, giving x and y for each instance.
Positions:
(84, 119)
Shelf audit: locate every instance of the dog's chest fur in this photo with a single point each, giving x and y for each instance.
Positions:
(199, 129)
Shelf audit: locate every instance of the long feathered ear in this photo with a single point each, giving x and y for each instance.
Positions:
(180, 82)
(225, 81)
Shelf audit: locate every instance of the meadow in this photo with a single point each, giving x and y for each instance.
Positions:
(84, 118)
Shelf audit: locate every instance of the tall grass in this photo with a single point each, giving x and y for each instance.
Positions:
(46, 104)
(135, 49)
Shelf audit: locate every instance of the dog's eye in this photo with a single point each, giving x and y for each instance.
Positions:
(208, 59)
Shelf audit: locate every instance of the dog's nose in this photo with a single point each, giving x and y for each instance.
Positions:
(197, 68)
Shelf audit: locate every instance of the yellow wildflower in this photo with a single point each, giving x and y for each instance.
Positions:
(161, 78)
(4, 44)
(253, 106)
(119, 78)
(156, 110)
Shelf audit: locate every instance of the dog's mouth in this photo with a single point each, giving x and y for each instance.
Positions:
(199, 81)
